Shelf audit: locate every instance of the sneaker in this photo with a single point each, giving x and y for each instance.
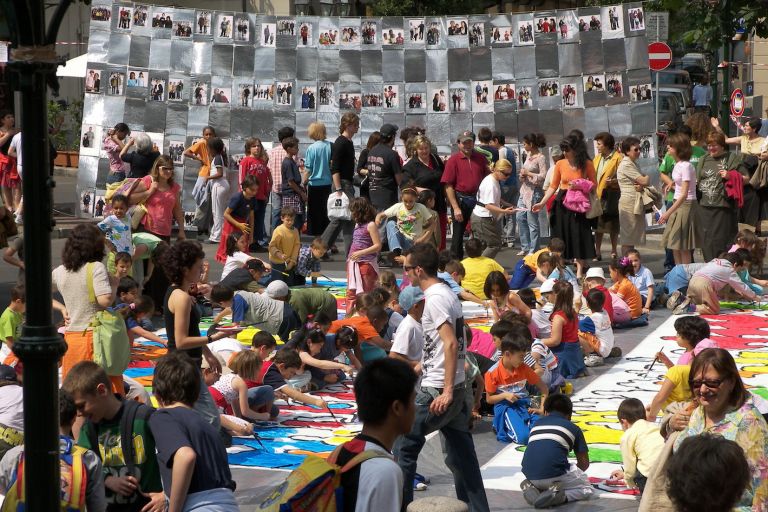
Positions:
(530, 492)
(615, 352)
(674, 299)
(687, 306)
(522, 253)
(593, 360)
(419, 486)
(551, 497)
(421, 478)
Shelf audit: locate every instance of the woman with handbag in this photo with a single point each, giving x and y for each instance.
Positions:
(679, 233)
(160, 198)
(631, 183)
(606, 164)
(717, 216)
(573, 228)
(82, 275)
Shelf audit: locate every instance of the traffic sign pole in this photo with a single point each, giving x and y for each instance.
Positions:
(659, 58)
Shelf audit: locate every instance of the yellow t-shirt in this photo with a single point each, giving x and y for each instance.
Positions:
(678, 375)
(285, 240)
(477, 270)
(531, 260)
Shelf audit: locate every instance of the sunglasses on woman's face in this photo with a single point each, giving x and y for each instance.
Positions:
(163, 168)
(709, 383)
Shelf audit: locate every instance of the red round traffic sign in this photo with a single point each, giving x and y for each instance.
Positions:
(659, 56)
(737, 103)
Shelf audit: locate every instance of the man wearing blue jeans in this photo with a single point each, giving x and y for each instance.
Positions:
(440, 397)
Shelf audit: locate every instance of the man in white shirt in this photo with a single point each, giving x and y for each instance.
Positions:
(408, 343)
(440, 397)
(485, 225)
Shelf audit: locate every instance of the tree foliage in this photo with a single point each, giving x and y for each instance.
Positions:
(427, 7)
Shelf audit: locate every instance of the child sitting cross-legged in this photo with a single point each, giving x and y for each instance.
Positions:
(506, 388)
(692, 336)
(642, 279)
(641, 444)
(564, 341)
(550, 478)
(477, 267)
(407, 222)
(621, 269)
(191, 455)
(595, 332)
(502, 298)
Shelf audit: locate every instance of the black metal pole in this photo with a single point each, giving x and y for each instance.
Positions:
(33, 65)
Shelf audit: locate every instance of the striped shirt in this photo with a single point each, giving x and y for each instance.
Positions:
(276, 156)
(551, 440)
(548, 359)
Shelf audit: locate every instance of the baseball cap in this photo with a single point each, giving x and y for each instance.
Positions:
(547, 286)
(388, 130)
(556, 152)
(7, 372)
(410, 296)
(277, 290)
(596, 272)
(466, 135)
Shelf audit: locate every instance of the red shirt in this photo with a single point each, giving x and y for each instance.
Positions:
(570, 328)
(252, 166)
(465, 174)
(607, 302)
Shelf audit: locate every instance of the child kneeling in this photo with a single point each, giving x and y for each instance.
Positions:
(550, 479)
(507, 392)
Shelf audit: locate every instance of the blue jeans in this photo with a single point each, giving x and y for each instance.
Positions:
(276, 201)
(263, 396)
(260, 236)
(460, 458)
(395, 238)
(528, 228)
(640, 321)
(522, 276)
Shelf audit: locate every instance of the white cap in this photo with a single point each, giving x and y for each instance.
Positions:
(547, 286)
(596, 272)
(277, 290)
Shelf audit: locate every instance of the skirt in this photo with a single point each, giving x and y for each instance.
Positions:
(80, 348)
(608, 224)
(226, 230)
(679, 233)
(716, 229)
(631, 227)
(573, 228)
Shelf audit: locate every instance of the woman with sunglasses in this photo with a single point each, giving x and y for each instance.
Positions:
(631, 183)
(726, 409)
(717, 215)
(161, 197)
(487, 213)
(572, 227)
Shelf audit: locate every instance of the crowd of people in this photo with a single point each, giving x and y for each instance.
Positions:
(402, 326)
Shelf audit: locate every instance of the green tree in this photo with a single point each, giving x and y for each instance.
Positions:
(427, 7)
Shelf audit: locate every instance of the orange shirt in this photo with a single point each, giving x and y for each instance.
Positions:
(200, 148)
(361, 324)
(564, 174)
(631, 296)
(502, 380)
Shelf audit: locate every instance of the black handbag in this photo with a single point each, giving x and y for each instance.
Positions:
(610, 202)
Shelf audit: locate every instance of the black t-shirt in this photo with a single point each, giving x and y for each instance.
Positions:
(273, 377)
(179, 427)
(241, 207)
(343, 158)
(426, 177)
(140, 164)
(194, 327)
(383, 164)
(238, 279)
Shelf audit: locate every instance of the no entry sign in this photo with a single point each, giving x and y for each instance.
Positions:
(659, 56)
(737, 103)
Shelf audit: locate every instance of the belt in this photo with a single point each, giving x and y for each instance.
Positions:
(11, 436)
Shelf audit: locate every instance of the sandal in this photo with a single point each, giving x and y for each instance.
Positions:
(599, 257)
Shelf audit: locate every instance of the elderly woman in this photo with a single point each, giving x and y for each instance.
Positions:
(161, 197)
(606, 164)
(571, 227)
(716, 219)
(87, 288)
(425, 169)
(631, 183)
(317, 161)
(726, 409)
(183, 265)
(143, 158)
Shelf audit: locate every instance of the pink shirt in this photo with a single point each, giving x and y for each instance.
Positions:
(687, 357)
(160, 205)
(684, 171)
(113, 153)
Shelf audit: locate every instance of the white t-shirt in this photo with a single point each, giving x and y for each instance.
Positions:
(409, 339)
(441, 305)
(380, 484)
(603, 331)
(540, 317)
(237, 260)
(488, 193)
(225, 347)
(16, 145)
(12, 406)
(684, 171)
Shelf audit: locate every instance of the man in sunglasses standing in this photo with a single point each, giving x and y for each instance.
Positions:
(488, 209)
(440, 396)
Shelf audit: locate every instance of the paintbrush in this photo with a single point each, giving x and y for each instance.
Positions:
(331, 411)
(651, 367)
(258, 440)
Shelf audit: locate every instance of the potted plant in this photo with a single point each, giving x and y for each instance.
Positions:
(64, 121)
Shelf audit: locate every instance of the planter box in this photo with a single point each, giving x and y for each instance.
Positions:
(67, 159)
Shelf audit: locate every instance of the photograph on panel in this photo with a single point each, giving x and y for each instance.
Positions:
(614, 85)
(224, 25)
(391, 37)
(483, 96)
(93, 81)
(242, 28)
(203, 23)
(157, 90)
(183, 29)
(90, 141)
(101, 14)
(175, 89)
(457, 28)
(268, 31)
(245, 95)
(545, 25)
(350, 35)
(416, 27)
(350, 101)
(305, 33)
(567, 26)
(636, 19)
(284, 92)
(372, 100)
(524, 97)
(548, 88)
(162, 20)
(594, 83)
(368, 32)
(477, 34)
(136, 78)
(525, 32)
(125, 16)
(504, 92)
(176, 151)
(140, 16)
(391, 96)
(613, 22)
(199, 93)
(501, 35)
(221, 95)
(459, 99)
(286, 27)
(433, 33)
(263, 93)
(415, 101)
(308, 97)
(641, 92)
(589, 23)
(116, 83)
(570, 94)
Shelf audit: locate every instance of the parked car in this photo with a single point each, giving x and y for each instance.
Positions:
(696, 66)
(670, 109)
(673, 77)
(683, 95)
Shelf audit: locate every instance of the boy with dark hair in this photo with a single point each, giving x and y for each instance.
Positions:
(641, 444)
(595, 331)
(194, 466)
(385, 397)
(477, 267)
(11, 320)
(275, 373)
(705, 285)
(452, 273)
(131, 473)
(308, 264)
(550, 479)
(506, 389)
(91, 485)
(498, 331)
(249, 278)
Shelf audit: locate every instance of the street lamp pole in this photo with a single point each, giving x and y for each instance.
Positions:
(725, 99)
(33, 66)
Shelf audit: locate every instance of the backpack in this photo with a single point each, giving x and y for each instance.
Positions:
(131, 409)
(74, 480)
(315, 485)
(111, 345)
